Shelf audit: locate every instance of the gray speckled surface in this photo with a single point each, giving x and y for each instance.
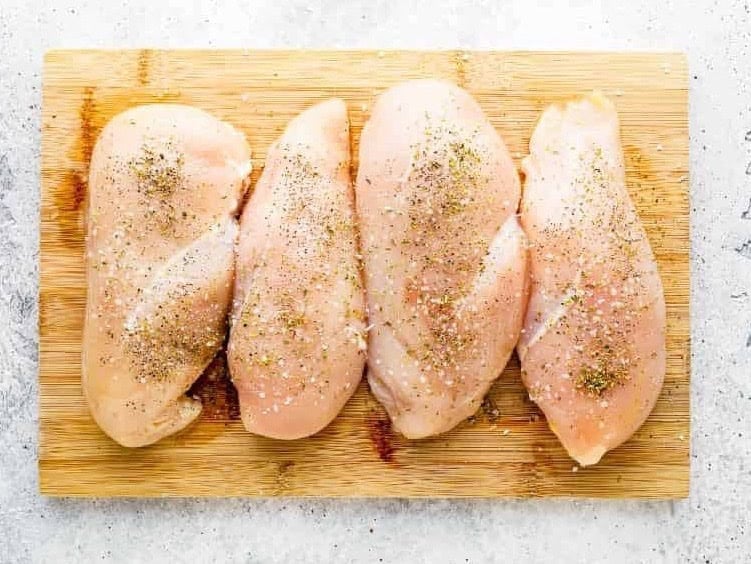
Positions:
(711, 526)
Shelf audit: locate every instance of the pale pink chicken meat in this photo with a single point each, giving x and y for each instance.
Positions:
(593, 346)
(297, 344)
(444, 255)
(164, 187)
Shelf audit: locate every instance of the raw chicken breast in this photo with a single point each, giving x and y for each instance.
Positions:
(164, 186)
(297, 344)
(445, 257)
(593, 346)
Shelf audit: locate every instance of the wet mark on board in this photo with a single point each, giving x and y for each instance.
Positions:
(382, 437)
(143, 68)
(86, 118)
(78, 190)
(489, 411)
(282, 477)
(640, 169)
(77, 177)
(216, 392)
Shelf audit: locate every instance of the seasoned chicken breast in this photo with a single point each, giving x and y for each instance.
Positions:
(444, 255)
(164, 186)
(297, 344)
(593, 346)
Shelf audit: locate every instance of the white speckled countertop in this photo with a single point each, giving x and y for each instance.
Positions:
(713, 525)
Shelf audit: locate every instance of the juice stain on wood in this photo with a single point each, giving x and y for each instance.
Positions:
(382, 437)
(282, 477)
(490, 410)
(73, 191)
(143, 67)
(216, 392)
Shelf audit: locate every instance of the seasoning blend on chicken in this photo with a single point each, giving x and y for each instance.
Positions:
(297, 344)
(444, 255)
(593, 346)
(164, 187)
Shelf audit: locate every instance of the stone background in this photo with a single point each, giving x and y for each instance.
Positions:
(711, 526)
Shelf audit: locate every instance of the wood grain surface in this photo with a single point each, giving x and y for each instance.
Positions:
(507, 449)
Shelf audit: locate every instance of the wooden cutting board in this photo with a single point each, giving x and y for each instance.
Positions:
(507, 449)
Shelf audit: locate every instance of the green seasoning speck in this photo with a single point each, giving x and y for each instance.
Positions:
(158, 174)
(597, 380)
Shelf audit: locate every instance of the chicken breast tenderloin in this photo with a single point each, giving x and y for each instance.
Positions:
(444, 255)
(593, 347)
(297, 344)
(165, 183)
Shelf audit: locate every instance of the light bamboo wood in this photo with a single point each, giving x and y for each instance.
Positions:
(508, 449)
